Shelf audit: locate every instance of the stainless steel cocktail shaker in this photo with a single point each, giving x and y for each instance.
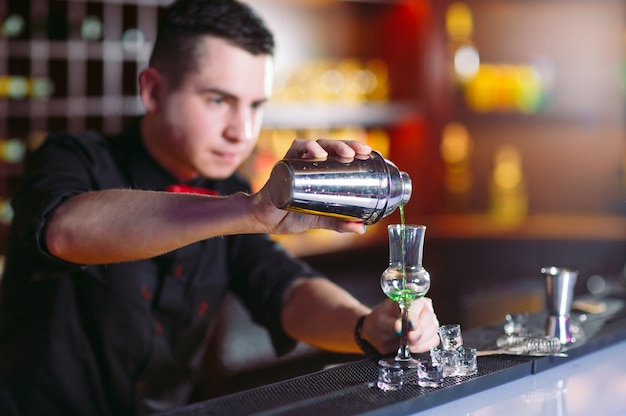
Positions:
(366, 189)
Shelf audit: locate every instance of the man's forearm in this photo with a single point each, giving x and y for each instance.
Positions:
(322, 314)
(125, 225)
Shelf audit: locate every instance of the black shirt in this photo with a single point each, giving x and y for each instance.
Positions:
(121, 338)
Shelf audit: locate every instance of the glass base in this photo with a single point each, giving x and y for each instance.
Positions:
(394, 362)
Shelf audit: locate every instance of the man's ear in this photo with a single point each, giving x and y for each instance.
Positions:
(151, 88)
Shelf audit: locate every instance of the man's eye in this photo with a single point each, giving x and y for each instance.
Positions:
(216, 100)
(257, 106)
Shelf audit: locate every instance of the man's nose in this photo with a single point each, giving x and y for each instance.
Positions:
(240, 125)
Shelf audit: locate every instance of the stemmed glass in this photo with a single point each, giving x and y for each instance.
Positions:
(404, 281)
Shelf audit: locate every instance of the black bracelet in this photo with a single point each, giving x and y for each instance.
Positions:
(364, 345)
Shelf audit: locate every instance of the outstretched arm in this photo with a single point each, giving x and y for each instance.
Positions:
(124, 225)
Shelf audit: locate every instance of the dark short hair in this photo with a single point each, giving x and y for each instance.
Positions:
(186, 23)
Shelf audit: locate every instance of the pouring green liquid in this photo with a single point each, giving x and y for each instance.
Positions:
(406, 295)
(403, 243)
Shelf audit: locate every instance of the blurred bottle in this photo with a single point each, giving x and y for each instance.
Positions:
(12, 150)
(133, 41)
(14, 26)
(6, 214)
(91, 28)
(19, 87)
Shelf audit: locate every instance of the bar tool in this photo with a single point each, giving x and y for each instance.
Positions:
(560, 284)
(364, 188)
(526, 345)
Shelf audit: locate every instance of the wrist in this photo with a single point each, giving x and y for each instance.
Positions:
(365, 346)
(249, 214)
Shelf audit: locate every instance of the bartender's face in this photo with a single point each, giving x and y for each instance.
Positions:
(214, 117)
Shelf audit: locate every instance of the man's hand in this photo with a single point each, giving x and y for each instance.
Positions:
(383, 325)
(316, 149)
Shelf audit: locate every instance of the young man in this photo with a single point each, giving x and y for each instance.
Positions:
(111, 281)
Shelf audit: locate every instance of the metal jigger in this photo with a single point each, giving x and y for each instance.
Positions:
(560, 284)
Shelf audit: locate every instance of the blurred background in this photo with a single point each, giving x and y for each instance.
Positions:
(508, 115)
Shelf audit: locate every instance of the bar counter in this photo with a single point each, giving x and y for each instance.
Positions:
(591, 385)
(590, 380)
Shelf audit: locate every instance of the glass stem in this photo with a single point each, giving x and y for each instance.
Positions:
(403, 352)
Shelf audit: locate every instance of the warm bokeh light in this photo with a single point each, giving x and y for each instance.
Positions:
(459, 21)
(379, 140)
(455, 149)
(346, 81)
(495, 87)
(507, 88)
(509, 199)
(332, 81)
(456, 144)
(507, 173)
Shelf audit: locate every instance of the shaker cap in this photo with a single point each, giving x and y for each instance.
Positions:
(280, 185)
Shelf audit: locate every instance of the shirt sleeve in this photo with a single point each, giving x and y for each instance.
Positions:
(62, 167)
(261, 272)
